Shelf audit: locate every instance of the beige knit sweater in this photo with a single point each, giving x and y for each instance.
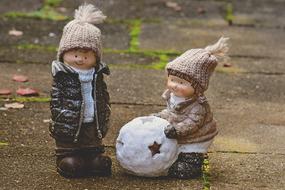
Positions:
(192, 119)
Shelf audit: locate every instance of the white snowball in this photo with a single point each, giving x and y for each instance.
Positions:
(133, 152)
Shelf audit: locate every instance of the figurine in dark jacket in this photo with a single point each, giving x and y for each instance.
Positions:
(80, 107)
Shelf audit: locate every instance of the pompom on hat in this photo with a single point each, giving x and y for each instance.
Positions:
(81, 31)
(197, 65)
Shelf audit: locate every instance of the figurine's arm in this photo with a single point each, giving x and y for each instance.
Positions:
(191, 124)
(164, 114)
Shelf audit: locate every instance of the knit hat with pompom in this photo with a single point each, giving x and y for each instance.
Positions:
(197, 65)
(81, 31)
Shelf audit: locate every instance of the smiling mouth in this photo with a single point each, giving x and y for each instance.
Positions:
(78, 63)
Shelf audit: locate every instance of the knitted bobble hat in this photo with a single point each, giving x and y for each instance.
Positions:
(81, 31)
(197, 65)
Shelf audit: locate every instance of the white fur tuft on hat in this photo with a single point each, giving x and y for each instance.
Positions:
(90, 14)
(220, 48)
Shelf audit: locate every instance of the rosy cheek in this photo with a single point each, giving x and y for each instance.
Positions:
(185, 91)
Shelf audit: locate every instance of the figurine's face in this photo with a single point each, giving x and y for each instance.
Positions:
(80, 58)
(180, 87)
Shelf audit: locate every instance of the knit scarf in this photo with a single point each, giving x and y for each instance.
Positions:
(86, 77)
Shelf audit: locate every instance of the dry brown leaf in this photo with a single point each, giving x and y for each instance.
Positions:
(20, 78)
(27, 92)
(5, 91)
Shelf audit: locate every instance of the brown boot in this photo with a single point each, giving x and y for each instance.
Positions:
(70, 166)
(100, 165)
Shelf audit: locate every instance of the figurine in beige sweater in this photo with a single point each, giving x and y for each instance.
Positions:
(188, 112)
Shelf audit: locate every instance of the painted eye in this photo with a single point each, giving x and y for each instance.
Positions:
(180, 82)
(76, 56)
(85, 57)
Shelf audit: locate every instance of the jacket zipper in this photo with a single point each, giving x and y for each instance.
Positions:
(96, 111)
(80, 119)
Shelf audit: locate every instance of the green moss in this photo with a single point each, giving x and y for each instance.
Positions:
(32, 99)
(163, 60)
(206, 175)
(52, 3)
(47, 12)
(135, 30)
(4, 144)
(229, 13)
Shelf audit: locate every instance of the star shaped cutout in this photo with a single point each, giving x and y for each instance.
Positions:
(154, 148)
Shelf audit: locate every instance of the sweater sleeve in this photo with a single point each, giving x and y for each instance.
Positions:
(192, 123)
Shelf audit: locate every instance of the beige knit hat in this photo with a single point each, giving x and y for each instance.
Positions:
(81, 32)
(197, 65)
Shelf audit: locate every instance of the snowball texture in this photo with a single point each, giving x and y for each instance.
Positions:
(135, 142)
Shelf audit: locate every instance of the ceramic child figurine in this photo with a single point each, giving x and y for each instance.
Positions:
(188, 112)
(80, 107)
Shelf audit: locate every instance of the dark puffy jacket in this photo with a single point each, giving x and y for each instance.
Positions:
(67, 104)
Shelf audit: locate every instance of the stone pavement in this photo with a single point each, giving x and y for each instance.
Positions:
(248, 98)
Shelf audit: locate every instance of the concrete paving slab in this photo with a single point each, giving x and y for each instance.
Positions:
(253, 87)
(27, 126)
(247, 171)
(14, 54)
(250, 127)
(145, 86)
(44, 32)
(19, 5)
(259, 13)
(183, 36)
(34, 168)
(243, 127)
(262, 66)
(152, 9)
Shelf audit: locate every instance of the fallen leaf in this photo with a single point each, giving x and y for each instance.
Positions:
(201, 10)
(227, 65)
(5, 92)
(14, 105)
(20, 78)
(14, 32)
(27, 92)
(46, 120)
(173, 5)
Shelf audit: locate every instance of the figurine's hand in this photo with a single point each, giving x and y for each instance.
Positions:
(170, 132)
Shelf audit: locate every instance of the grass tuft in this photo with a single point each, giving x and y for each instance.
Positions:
(229, 14)
(206, 175)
